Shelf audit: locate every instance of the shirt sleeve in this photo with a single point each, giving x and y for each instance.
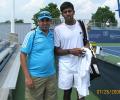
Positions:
(56, 38)
(27, 43)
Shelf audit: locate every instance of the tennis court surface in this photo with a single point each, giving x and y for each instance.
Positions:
(112, 50)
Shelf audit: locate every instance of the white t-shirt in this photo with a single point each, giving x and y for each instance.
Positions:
(68, 37)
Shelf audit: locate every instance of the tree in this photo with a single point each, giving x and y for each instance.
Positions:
(16, 21)
(103, 15)
(52, 8)
(7, 21)
(19, 21)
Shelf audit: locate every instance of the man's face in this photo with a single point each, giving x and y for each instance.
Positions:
(44, 23)
(68, 14)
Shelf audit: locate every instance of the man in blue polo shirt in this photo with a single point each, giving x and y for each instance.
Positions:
(37, 61)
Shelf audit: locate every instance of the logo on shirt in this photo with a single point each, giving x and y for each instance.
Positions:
(80, 32)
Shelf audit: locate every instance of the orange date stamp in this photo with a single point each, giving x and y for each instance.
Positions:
(108, 91)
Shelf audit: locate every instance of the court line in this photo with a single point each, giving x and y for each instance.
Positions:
(111, 46)
(111, 50)
(111, 54)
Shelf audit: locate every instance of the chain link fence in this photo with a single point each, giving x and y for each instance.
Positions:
(87, 22)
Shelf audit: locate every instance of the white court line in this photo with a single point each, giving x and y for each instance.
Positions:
(111, 54)
(110, 46)
(111, 50)
(106, 53)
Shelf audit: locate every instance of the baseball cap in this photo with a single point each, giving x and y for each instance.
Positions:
(44, 14)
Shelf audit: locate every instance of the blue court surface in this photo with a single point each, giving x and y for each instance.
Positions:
(112, 50)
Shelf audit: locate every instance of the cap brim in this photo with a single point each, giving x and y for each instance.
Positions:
(44, 17)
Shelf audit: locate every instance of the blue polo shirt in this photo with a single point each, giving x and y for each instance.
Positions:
(40, 59)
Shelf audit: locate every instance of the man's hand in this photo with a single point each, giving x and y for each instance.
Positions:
(29, 82)
(76, 51)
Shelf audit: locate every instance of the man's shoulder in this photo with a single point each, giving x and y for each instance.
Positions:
(31, 33)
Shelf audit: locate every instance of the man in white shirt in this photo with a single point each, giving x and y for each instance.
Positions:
(68, 39)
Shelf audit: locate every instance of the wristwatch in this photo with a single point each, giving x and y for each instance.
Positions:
(68, 51)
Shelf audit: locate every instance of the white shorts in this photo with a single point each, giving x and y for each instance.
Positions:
(67, 80)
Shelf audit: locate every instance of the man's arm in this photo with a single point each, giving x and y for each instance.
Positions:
(28, 79)
(74, 51)
(87, 45)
